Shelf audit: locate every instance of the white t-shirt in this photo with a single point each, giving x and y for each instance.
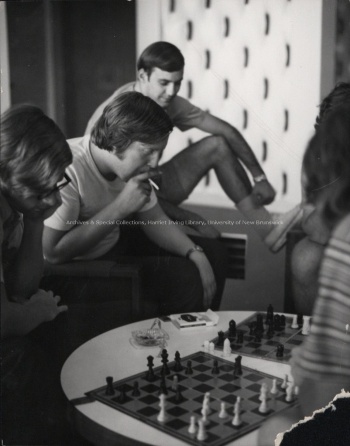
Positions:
(87, 194)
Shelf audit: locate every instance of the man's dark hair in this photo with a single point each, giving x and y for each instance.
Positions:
(340, 95)
(162, 55)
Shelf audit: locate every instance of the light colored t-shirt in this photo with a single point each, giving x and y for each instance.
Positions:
(325, 353)
(87, 194)
(182, 113)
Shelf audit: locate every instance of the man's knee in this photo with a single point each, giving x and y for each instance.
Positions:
(217, 148)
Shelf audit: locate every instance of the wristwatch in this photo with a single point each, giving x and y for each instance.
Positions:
(260, 178)
(193, 249)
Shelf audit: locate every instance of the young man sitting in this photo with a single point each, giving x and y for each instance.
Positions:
(160, 72)
(33, 157)
(110, 211)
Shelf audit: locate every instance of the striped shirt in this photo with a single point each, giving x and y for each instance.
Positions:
(326, 351)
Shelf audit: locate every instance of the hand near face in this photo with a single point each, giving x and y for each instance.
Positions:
(136, 193)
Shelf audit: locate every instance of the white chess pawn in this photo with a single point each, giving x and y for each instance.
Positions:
(162, 416)
(175, 383)
(205, 412)
(285, 382)
(211, 347)
(263, 406)
(295, 322)
(296, 390)
(227, 348)
(192, 428)
(206, 346)
(236, 421)
(223, 414)
(201, 435)
(263, 391)
(306, 325)
(274, 389)
(289, 392)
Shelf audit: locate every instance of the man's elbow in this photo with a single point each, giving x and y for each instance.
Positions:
(54, 255)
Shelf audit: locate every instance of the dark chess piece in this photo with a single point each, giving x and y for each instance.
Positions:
(122, 394)
(283, 321)
(280, 351)
(178, 397)
(300, 320)
(259, 323)
(136, 391)
(177, 366)
(270, 330)
(163, 388)
(221, 339)
(251, 326)
(150, 373)
(215, 370)
(257, 338)
(269, 313)
(109, 388)
(238, 365)
(240, 337)
(277, 322)
(165, 369)
(189, 370)
(232, 329)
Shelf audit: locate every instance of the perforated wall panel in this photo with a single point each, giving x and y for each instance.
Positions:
(256, 64)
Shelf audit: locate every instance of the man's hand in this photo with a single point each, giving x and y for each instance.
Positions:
(45, 305)
(135, 194)
(263, 193)
(207, 277)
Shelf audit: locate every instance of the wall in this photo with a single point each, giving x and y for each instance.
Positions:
(260, 65)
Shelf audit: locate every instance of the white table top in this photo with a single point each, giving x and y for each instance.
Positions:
(111, 354)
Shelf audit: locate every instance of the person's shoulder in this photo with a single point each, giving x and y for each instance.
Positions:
(80, 150)
(342, 230)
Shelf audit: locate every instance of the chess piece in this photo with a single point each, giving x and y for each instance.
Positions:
(269, 314)
(175, 383)
(109, 388)
(178, 397)
(202, 434)
(165, 368)
(280, 351)
(223, 413)
(163, 388)
(295, 322)
(189, 370)
(238, 365)
(136, 391)
(211, 347)
(289, 392)
(215, 370)
(236, 421)
(227, 348)
(263, 406)
(122, 394)
(296, 390)
(300, 320)
(259, 323)
(150, 373)
(240, 337)
(263, 391)
(192, 428)
(274, 389)
(206, 346)
(221, 338)
(283, 321)
(277, 322)
(306, 326)
(205, 412)
(162, 414)
(232, 329)
(178, 366)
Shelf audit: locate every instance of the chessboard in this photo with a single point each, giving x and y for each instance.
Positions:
(265, 336)
(173, 397)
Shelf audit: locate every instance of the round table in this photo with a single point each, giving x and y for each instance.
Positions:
(111, 354)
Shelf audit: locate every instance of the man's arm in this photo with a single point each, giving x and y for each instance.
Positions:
(169, 237)
(63, 246)
(263, 191)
